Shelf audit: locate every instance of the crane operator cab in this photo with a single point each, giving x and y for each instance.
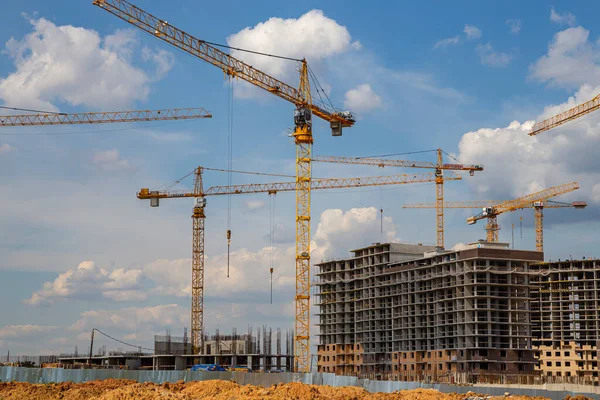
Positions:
(302, 116)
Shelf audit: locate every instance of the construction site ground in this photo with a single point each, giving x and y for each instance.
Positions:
(115, 389)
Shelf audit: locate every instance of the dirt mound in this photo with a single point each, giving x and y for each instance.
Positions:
(114, 389)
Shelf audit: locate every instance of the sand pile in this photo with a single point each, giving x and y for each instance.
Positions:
(113, 389)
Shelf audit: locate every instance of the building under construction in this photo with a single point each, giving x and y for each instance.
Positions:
(418, 313)
(257, 352)
(247, 351)
(566, 318)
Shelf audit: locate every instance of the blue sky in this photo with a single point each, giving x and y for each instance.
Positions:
(80, 251)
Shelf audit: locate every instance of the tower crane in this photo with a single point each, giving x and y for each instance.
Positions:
(439, 168)
(537, 206)
(305, 107)
(42, 119)
(492, 212)
(564, 117)
(199, 216)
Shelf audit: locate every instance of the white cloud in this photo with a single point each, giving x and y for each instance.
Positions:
(24, 332)
(562, 19)
(518, 164)
(110, 160)
(5, 148)
(444, 43)
(336, 233)
(572, 60)
(425, 83)
(254, 204)
(163, 59)
(339, 231)
(362, 99)
(313, 36)
(57, 64)
(133, 319)
(492, 58)
(89, 281)
(472, 32)
(514, 25)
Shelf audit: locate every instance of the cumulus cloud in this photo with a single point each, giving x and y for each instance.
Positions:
(313, 36)
(362, 99)
(492, 58)
(337, 232)
(514, 25)
(571, 61)
(562, 19)
(518, 164)
(24, 332)
(89, 281)
(444, 43)
(472, 32)
(133, 319)
(5, 148)
(56, 64)
(254, 204)
(110, 160)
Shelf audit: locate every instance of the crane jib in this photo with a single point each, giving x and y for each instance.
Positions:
(201, 49)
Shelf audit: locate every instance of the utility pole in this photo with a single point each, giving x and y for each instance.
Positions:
(91, 348)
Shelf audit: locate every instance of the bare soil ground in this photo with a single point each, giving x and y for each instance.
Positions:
(114, 389)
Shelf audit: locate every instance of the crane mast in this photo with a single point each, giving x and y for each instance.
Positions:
(300, 97)
(537, 206)
(199, 216)
(439, 168)
(492, 212)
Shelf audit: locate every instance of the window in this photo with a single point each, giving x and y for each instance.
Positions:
(412, 355)
(558, 374)
(428, 354)
(429, 367)
(461, 353)
(503, 353)
(567, 354)
(412, 367)
(568, 373)
(440, 366)
(405, 367)
(557, 353)
(567, 363)
(548, 363)
(439, 353)
(558, 364)
(548, 354)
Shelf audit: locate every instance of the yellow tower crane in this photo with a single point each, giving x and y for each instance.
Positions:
(537, 206)
(42, 119)
(439, 168)
(199, 216)
(300, 97)
(564, 117)
(492, 212)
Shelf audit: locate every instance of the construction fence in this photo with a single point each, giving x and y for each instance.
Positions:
(49, 375)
